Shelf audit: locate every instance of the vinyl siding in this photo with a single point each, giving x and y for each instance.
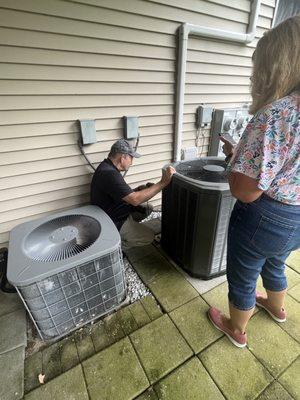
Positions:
(61, 61)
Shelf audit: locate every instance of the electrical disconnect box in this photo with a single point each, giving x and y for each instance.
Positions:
(88, 131)
(204, 115)
(131, 127)
(230, 121)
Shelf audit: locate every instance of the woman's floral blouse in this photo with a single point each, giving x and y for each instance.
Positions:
(269, 150)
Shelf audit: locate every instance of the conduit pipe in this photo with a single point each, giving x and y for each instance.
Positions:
(188, 29)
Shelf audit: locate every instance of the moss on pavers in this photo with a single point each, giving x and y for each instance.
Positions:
(115, 373)
(293, 260)
(136, 253)
(237, 372)
(191, 320)
(152, 267)
(271, 345)
(33, 366)
(51, 361)
(106, 332)
(68, 386)
(151, 307)
(290, 379)
(172, 291)
(275, 392)
(139, 314)
(12, 374)
(292, 324)
(160, 347)
(190, 381)
(68, 354)
(148, 395)
(84, 343)
(295, 292)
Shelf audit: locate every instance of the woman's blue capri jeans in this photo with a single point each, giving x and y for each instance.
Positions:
(261, 235)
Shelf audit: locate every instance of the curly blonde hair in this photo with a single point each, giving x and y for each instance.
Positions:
(276, 64)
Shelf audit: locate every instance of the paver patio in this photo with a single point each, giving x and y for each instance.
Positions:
(165, 348)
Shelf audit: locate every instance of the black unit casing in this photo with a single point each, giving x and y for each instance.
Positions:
(195, 217)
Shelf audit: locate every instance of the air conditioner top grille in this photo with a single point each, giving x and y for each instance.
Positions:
(204, 170)
(61, 238)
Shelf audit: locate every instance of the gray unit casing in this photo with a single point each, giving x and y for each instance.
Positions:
(195, 217)
(63, 294)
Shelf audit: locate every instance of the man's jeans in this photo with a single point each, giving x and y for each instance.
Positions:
(261, 235)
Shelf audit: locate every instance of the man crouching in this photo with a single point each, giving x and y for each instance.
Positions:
(123, 204)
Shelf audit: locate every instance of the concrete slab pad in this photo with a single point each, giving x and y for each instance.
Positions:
(237, 372)
(115, 373)
(192, 322)
(160, 348)
(204, 286)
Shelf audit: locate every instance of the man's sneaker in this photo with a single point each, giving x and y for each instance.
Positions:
(261, 301)
(238, 339)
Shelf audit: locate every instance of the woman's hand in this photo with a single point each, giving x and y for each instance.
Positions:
(227, 147)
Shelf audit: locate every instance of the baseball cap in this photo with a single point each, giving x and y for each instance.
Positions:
(124, 147)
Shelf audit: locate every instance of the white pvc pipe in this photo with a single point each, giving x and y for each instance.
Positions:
(188, 29)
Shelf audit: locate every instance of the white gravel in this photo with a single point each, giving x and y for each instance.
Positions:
(135, 287)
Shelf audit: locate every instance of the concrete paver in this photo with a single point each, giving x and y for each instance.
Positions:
(84, 343)
(293, 261)
(9, 302)
(51, 361)
(292, 324)
(151, 307)
(32, 368)
(139, 314)
(68, 354)
(13, 330)
(237, 372)
(160, 347)
(290, 379)
(68, 386)
(106, 332)
(191, 320)
(275, 392)
(12, 374)
(148, 395)
(264, 335)
(115, 373)
(172, 291)
(189, 381)
(295, 292)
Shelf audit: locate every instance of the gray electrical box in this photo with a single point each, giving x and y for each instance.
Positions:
(88, 131)
(131, 127)
(204, 115)
(230, 121)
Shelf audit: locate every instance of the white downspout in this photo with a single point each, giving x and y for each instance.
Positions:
(188, 29)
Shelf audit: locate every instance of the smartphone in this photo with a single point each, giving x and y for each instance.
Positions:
(228, 137)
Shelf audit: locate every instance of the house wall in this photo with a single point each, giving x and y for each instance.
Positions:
(61, 61)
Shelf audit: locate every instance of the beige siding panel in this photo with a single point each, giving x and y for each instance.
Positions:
(19, 144)
(212, 46)
(205, 7)
(67, 151)
(63, 102)
(57, 128)
(26, 55)
(169, 13)
(216, 89)
(234, 4)
(212, 58)
(199, 79)
(25, 117)
(41, 72)
(215, 69)
(65, 162)
(82, 88)
(44, 23)
(92, 14)
(46, 40)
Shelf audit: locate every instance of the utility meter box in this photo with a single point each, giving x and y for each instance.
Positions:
(230, 121)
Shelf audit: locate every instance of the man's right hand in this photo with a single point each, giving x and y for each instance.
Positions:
(167, 176)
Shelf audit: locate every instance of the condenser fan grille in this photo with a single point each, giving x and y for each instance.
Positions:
(204, 170)
(62, 238)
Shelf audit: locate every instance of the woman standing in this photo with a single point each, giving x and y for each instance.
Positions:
(264, 176)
